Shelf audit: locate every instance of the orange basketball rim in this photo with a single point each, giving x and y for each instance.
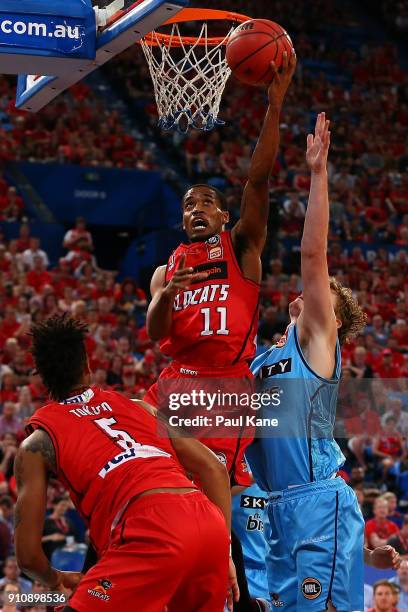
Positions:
(189, 15)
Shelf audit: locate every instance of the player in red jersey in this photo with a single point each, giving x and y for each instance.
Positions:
(204, 307)
(161, 543)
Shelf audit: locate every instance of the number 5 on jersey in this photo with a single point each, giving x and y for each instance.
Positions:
(122, 438)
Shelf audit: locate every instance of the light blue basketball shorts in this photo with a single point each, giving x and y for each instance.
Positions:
(315, 548)
(257, 581)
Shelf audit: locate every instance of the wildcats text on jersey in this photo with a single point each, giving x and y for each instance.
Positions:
(208, 293)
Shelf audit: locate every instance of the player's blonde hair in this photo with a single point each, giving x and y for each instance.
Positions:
(353, 318)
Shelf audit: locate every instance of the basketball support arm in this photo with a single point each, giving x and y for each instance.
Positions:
(102, 15)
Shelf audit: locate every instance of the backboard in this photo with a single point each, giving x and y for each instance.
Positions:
(118, 29)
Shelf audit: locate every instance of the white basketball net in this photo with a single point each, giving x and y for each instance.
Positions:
(188, 79)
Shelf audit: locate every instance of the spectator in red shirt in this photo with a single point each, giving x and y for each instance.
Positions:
(386, 368)
(99, 359)
(363, 427)
(10, 325)
(11, 199)
(376, 216)
(38, 277)
(37, 390)
(400, 332)
(23, 241)
(4, 259)
(389, 445)
(8, 392)
(99, 378)
(194, 145)
(379, 529)
(105, 314)
(114, 377)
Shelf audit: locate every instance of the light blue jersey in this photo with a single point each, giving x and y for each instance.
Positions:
(306, 413)
(250, 524)
(316, 537)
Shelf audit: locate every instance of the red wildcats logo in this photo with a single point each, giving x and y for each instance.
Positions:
(215, 253)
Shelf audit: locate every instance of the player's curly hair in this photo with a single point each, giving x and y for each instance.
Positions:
(348, 310)
(59, 353)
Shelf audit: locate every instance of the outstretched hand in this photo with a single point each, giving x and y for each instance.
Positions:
(318, 145)
(385, 557)
(281, 79)
(183, 277)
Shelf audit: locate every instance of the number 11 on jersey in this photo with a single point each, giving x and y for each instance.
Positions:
(220, 319)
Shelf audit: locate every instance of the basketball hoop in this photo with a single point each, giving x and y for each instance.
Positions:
(189, 73)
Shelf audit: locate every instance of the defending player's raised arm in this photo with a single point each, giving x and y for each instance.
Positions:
(252, 225)
(318, 320)
(35, 461)
(159, 313)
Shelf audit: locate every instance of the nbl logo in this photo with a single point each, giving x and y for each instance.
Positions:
(214, 240)
(311, 588)
(222, 458)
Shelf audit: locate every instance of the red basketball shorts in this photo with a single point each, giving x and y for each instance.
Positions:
(230, 446)
(169, 550)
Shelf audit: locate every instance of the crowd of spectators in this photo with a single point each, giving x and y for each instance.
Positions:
(368, 252)
(77, 128)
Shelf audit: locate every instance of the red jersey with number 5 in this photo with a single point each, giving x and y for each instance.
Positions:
(108, 450)
(215, 320)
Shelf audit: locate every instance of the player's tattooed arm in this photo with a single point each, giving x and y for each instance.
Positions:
(35, 462)
(40, 442)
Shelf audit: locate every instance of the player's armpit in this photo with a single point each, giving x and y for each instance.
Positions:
(319, 349)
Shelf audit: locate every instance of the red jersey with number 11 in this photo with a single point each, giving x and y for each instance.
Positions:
(215, 320)
(108, 450)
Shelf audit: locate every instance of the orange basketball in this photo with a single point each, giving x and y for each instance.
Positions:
(251, 48)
